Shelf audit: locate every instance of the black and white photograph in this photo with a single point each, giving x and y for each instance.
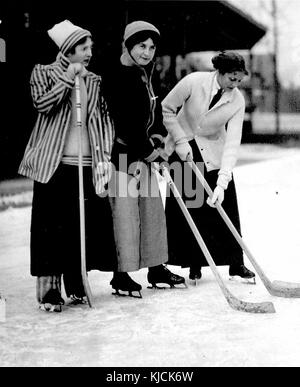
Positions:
(149, 185)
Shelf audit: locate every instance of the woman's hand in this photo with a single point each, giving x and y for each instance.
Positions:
(184, 150)
(76, 69)
(218, 195)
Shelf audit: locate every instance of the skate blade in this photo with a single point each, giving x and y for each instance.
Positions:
(247, 281)
(128, 294)
(155, 286)
(185, 286)
(50, 308)
(195, 282)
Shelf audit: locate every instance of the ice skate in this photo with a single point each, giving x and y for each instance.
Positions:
(75, 300)
(52, 302)
(162, 275)
(195, 274)
(123, 282)
(50, 308)
(242, 273)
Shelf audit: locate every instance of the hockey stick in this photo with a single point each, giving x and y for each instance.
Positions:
(85, 282)
(235, 303)
(276, 288)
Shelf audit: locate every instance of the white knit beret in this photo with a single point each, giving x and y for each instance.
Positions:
(138, 26)
(65, 34)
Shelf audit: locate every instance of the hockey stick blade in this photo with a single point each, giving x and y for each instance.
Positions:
(285, 289)
(250, 307)
(235, 303)
(275, 288)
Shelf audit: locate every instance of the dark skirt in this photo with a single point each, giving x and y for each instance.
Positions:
(183, 247)
(55, 226)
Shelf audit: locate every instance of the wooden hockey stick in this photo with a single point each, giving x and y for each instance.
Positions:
(235, 303)
(276, 288)
(85, 281)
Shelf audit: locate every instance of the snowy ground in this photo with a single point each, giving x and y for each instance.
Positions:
(189, 327)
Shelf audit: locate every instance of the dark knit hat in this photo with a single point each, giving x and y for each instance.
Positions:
(65, 35)
(136, 27)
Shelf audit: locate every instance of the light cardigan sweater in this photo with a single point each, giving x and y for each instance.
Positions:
(187, 116)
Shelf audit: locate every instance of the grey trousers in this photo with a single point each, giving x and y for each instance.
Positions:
(139, 220)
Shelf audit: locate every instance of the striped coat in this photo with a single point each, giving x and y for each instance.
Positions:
(51, 90)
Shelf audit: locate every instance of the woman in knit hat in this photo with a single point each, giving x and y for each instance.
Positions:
(204, 116)
(51, 159)
(139, 219)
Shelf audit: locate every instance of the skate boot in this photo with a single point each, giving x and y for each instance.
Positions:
(160, 274)
(242, 272)
(74, 288)
(195, 274)
(76, 300)
(52, 302)
(123, 282)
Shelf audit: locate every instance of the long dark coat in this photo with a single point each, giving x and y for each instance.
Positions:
(139, 222)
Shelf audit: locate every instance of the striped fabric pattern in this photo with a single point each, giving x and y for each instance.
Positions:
(73, 39)
(74, 160)
(51, 90)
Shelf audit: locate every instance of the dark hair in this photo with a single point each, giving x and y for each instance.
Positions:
(229, 62)
(71, 50)
(141, 36)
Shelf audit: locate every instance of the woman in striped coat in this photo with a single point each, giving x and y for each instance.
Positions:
(51, 160)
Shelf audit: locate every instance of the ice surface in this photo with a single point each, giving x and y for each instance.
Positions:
(189, 327)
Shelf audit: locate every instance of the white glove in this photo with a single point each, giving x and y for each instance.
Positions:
(218, 195)
(104, 168)
(183, 150)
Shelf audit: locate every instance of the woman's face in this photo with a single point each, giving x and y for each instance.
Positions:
(143, 52)
(83, 53)
(229, 81)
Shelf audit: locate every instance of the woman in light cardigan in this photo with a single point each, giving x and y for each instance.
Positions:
(204, 116)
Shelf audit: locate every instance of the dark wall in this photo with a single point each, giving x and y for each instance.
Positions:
(25, 31)
(185, 26)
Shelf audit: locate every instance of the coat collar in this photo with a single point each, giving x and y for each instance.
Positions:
(64, 64)
(127, 60)
(92, 86)
(227, 96)
(92, 82)
(63, 61)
